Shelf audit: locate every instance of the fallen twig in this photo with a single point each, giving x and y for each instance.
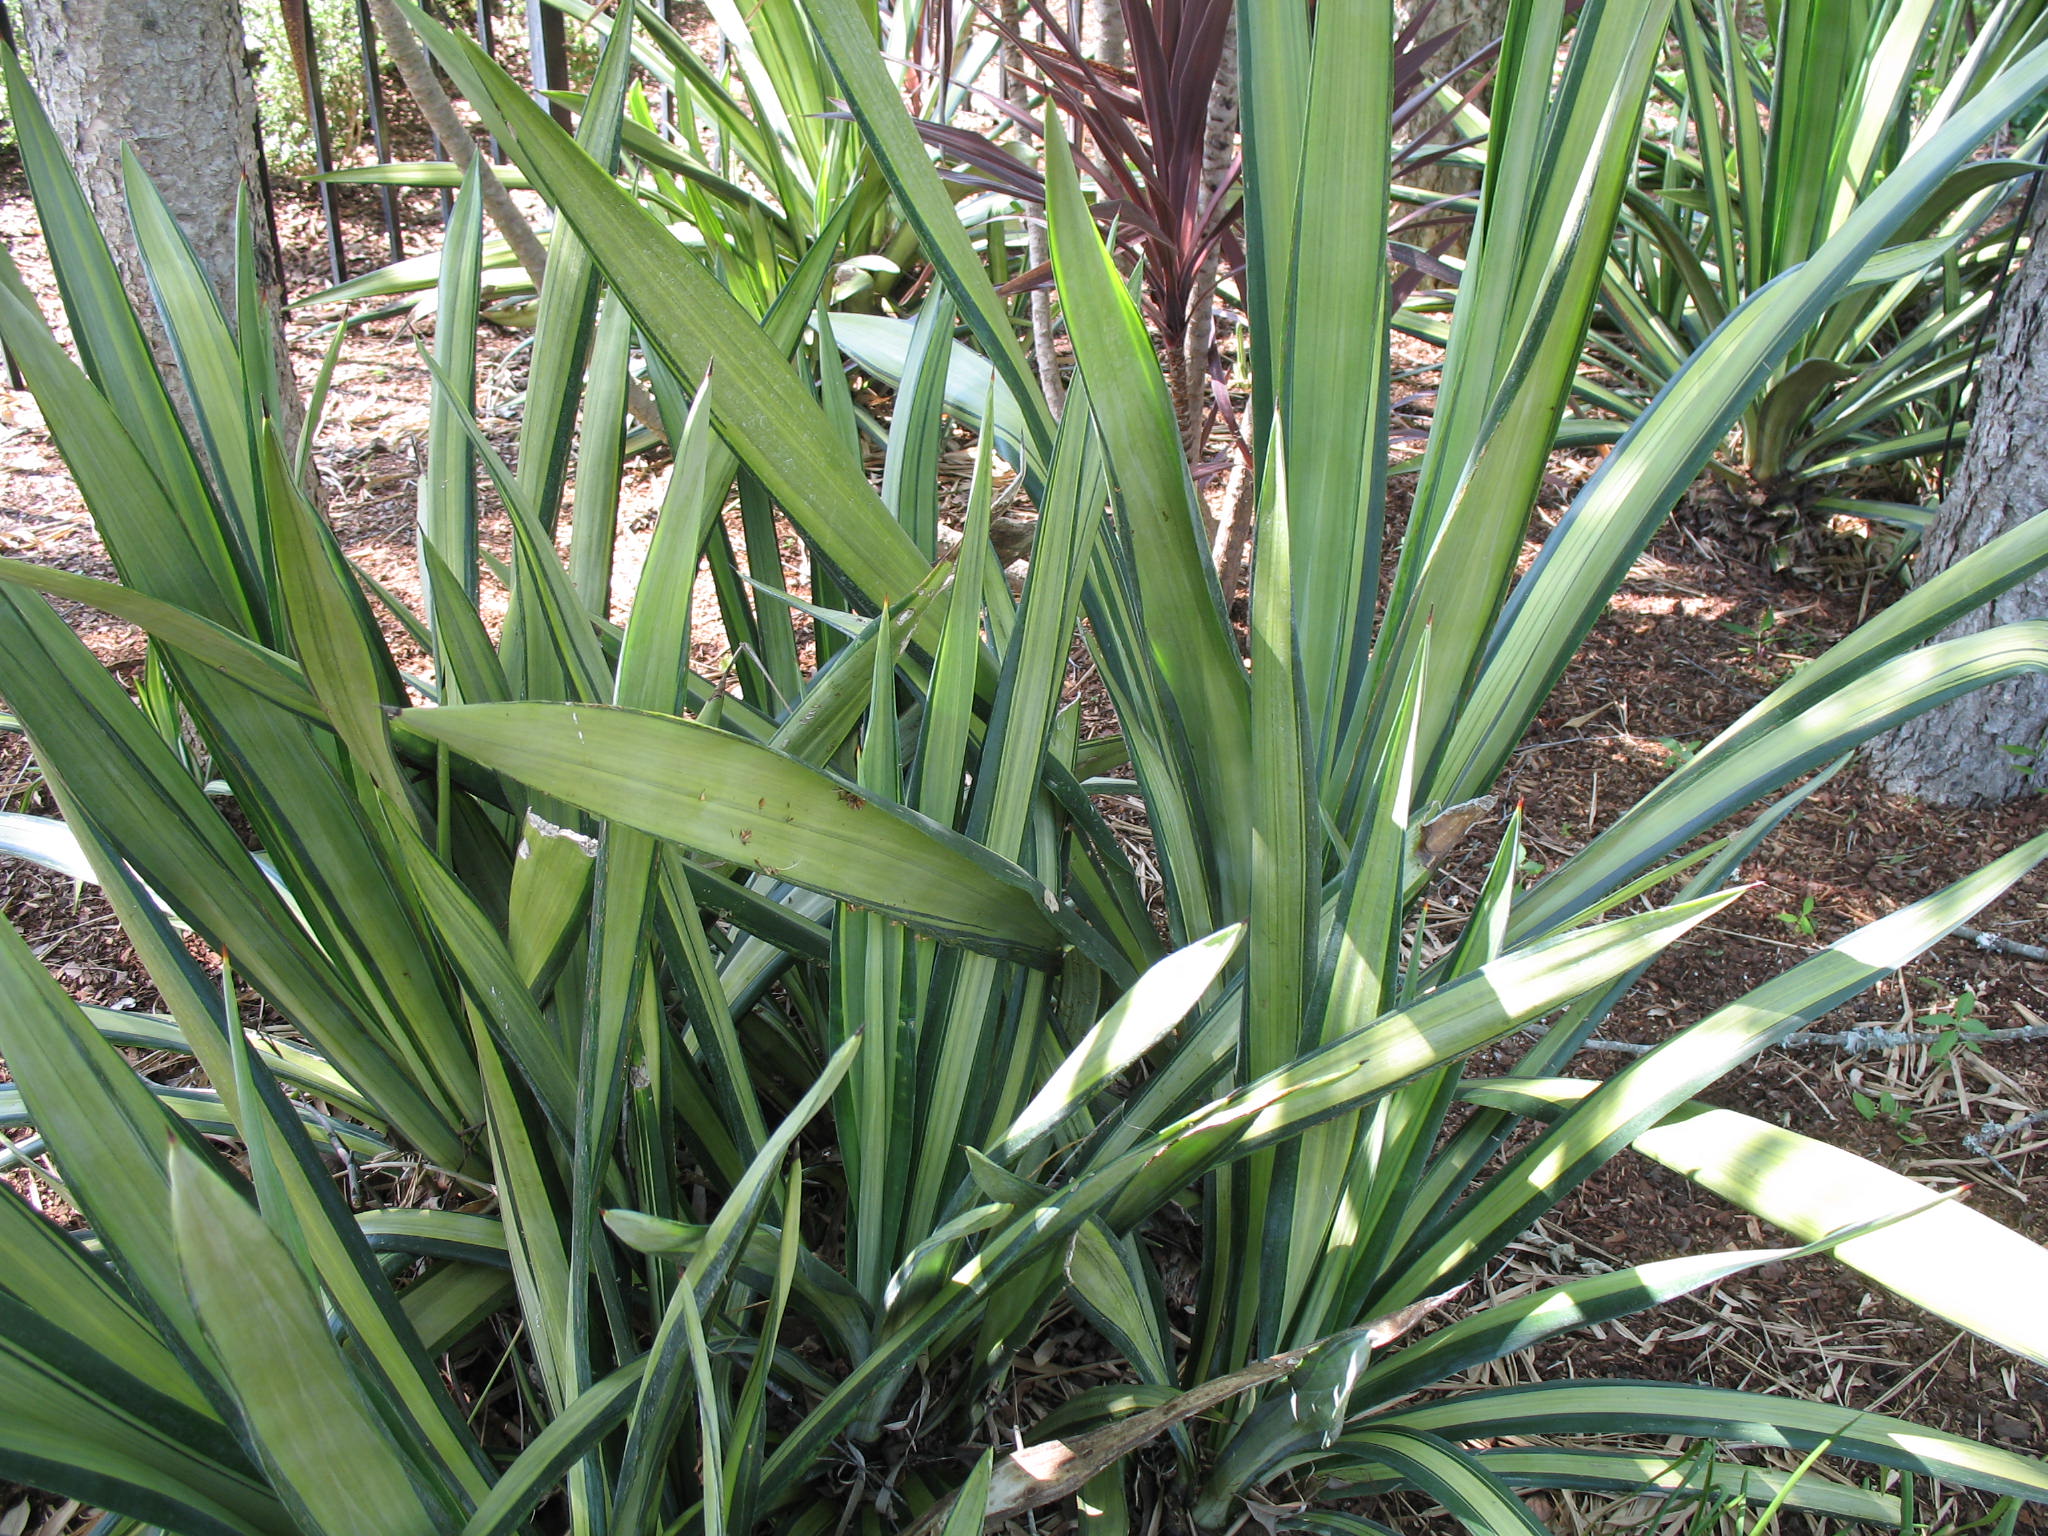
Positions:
(1873, 1037)
(1861, 1040)
(1983, 1141)
(1998, 944)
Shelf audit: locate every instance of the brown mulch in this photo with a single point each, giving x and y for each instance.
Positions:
(1693, 639)
(1697, 634)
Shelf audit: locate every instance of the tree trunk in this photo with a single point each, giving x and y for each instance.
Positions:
(409, 57)
(1474, 23)
(170, 77)
(1037, 240)
(1958, 754)
(1219, 148)
(1103, 37)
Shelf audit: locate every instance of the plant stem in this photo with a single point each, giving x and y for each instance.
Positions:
(420, 80)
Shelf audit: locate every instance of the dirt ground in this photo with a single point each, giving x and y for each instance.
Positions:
(1697, 634)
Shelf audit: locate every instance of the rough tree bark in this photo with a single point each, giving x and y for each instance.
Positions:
(1958, 754)
(1102, 32)
(1219, 148)
(1037, 241)
(170, 77)
(1473, 24)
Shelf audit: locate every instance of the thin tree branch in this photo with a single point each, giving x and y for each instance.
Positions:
(1998, 944)
(1982, 1141)
(418, 74)
(1860, 1041)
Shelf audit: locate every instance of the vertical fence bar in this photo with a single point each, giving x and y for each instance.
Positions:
(269, 196)
(550, 44)
(305, 49)
(668, 95)
(486, 39)
(373, 101)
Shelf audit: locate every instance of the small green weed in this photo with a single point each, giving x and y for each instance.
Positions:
(1756, 638)
(1886, 1106)
(1958, 1025)
(1800, 919)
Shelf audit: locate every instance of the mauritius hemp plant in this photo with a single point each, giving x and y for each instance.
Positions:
(680, 1100)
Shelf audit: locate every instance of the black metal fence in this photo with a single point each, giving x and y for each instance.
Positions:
(547, 53)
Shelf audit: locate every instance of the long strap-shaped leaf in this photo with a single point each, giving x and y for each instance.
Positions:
(1455, 1478)
(749, 804)
(209, 365)
(276, 677)
(1672, 1408)
(157, 542)
(567, 1438)
(1612, 518)
(877, 104)
(1154, 1005)
(1759, 761)
(1937, 1258)
(332, 630)
(302, 1206)
(1646, 1090)
(664, 1391)
(1335, 379)
(109, 1135)
(1129, 1186)
(82, 1428)
(1515, 338)
(301, 1410)
(686, 317)
(1184, 639)
(568, 303)
(1985, 573)
(1679, 1477)
(1256, 1245)
(145, 803)
(103, 325)
(1273, 68)
(447, 489)
(49, 1273)
(202, 1109)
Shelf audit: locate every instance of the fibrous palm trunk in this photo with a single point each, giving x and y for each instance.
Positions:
(1469, 25)
(1038, 249)
(1198, 341)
